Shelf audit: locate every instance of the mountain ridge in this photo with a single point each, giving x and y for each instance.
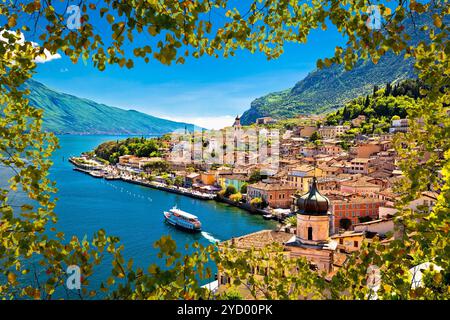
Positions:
(68, 114)
(328, 89)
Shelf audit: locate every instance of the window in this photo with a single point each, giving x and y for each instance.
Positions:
(355, 244)
(310, 233)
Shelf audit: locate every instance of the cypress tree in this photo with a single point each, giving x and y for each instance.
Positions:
(375, 89)
(388, 89)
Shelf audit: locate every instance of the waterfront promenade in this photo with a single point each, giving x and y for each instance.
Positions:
(151, 184)
(98, 170)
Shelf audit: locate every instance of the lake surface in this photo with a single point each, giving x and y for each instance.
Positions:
(132, 212)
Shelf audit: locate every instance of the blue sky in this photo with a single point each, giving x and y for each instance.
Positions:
(208, 92)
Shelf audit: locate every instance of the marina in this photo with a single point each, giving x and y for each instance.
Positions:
(152, 184)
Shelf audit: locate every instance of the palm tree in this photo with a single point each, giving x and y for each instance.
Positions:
(292, 220)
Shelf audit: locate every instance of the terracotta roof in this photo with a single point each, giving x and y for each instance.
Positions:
(304, 168)
(260, 239)
(360, 160)
(359, 183)
(327, 168)
(240, 177)
(387, 192)
(381, 174)
(347, 234)
(271, 186)
(339, 259)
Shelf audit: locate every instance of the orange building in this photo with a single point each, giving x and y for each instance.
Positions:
(352, 209)
(275, 194)
(331, 149)
(208, 178)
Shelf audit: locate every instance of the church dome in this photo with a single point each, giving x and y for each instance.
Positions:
(313, 203)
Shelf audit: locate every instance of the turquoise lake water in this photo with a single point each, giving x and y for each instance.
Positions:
(134, 213)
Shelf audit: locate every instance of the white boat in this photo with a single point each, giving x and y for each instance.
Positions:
(182, 219)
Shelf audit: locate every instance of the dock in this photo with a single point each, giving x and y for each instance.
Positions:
(154, 185)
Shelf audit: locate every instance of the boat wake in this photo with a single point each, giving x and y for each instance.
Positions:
(209, 237)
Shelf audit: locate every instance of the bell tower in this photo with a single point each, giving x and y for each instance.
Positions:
(237, 123)
(313, 218)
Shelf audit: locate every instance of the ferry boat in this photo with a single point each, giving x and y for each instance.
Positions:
(182, 220)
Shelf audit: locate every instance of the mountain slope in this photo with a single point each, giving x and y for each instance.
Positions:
(330, 88)
(67, 114)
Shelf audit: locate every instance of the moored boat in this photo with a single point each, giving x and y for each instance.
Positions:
(182, 220)
(112, 177)
(96, 174)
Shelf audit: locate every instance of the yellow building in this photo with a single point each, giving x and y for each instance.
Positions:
(301, 177)
(349, 241)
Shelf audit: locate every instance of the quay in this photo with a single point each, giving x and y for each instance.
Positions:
(182, 191)
(154, 185)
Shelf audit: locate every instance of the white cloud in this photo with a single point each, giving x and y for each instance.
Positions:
(48, 56)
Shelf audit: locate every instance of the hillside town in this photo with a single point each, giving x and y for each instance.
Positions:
(329, 197)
